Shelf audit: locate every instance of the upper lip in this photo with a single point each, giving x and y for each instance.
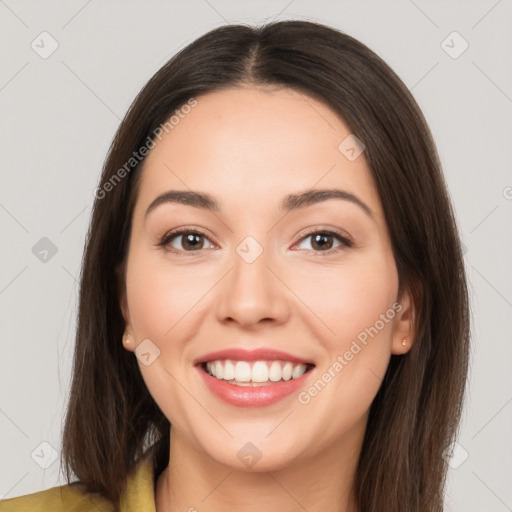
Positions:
(260, 354)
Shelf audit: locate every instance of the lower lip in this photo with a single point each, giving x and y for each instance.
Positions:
(247, 396)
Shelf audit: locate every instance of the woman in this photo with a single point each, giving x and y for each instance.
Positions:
(273, 306)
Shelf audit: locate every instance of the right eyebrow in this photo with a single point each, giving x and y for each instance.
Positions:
(190, 198)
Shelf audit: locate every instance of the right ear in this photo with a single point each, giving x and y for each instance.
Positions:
(128, 337)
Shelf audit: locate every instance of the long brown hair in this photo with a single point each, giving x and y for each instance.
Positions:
(111, 417)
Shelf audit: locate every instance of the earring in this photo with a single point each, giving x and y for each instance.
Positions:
(404, 342)
(127, 341)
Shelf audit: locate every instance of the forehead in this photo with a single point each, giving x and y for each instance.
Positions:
(254, 146)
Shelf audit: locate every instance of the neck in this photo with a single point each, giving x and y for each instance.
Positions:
(194, 482)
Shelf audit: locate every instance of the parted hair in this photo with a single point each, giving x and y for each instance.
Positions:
(112, 419)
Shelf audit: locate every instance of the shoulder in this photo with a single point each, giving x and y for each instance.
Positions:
(62, 498)
(139, 495)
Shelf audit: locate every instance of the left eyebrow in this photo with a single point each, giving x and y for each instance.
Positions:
(289, 203)
(311, 197)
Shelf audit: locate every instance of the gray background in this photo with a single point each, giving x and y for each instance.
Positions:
(58, 116)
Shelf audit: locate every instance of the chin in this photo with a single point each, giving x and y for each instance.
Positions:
(249, 458)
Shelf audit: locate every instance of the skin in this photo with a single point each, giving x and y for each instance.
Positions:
(249, 147)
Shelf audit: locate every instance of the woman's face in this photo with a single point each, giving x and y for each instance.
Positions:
(270, 281)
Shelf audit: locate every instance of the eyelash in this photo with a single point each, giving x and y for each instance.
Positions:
(345, 241)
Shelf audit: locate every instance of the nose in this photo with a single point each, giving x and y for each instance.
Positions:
(252, 294)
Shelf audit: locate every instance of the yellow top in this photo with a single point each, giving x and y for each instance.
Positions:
(139, 496)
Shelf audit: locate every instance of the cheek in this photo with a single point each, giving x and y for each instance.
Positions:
(164, 302)
(355, 303)
(162, 298)
(350, 298)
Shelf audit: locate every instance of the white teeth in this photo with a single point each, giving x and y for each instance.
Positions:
(219, 370)
(259, 372)
(241, 372)
(229, 370)
(287, 371)
(275, 371)
(298, 371)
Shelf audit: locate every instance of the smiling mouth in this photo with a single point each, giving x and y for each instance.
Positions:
(255, 373)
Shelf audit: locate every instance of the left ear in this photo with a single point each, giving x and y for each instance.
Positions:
(404, 331)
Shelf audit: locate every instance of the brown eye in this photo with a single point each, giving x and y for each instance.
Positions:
(184, 241)
(324, 240)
